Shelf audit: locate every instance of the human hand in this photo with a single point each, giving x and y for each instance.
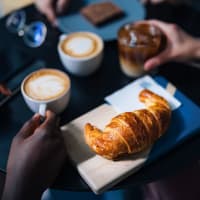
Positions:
(4, 90)
(36, 157)
(159, 1)
(51, 8)
(180, 46)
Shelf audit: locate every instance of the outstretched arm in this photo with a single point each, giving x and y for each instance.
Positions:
(36, 157)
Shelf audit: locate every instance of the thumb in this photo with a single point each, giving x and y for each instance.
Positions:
(50, 125)
(156, 60)
(61, 6)
(30, 126)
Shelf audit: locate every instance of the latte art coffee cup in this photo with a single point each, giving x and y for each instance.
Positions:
(45, 85)
(81, 52)
(49, 88)
(81, 45)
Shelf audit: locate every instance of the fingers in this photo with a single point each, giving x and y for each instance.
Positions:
(47, 7)
(152, 1)
(50, 13)
(50, 125)
(164, 55)
(61, 6)
(4, 90)
(29, 127)
(156, 61)
(158, 23)
(168, 29)
(51, 8)
(157, 1)
(144, 1)
(162, 25)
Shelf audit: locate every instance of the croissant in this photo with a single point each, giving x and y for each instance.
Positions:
(131, 132)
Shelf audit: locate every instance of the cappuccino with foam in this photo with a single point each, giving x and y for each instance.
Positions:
(81, 45)
(46, 89)
(81, 52)
(47, 84)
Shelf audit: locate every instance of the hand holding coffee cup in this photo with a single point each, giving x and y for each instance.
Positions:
(81, 53)
(138, 42)
(46, 89)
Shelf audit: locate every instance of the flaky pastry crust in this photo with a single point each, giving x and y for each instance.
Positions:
(131, 132)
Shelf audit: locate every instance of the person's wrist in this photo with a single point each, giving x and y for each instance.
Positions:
(190, 50)
(193, 58)
(14, 190)
(196, 49)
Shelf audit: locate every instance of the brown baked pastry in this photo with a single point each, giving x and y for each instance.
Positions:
(100, 13)
(131, 132)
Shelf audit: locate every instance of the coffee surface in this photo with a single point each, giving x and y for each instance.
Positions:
(46, 85)
(81, 45)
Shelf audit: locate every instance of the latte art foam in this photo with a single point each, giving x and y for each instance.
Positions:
(81, 45)
(46, 85)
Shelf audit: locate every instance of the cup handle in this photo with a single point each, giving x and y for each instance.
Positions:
(42, 109)
(62, 37)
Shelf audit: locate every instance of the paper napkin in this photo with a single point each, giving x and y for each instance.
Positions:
(126, 99)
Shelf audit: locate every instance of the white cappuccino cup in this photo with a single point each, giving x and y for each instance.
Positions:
(81, 53)
(46, 89)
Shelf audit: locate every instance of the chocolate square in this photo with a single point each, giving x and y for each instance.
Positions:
(101, 13)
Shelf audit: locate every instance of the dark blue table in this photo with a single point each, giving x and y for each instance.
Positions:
(87, 93)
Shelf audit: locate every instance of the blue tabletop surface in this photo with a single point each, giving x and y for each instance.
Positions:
(185, 123)
(74, 21)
